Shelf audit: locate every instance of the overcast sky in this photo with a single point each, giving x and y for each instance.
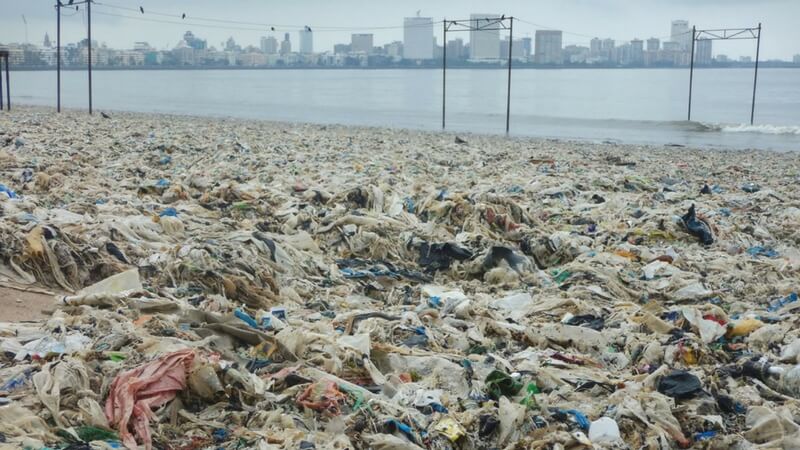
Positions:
(621, 20)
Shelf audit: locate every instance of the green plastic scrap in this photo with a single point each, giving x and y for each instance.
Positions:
(530, 400)
(89, 434)
(499, 383)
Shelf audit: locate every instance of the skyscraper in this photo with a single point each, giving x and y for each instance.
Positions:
(595, 47)
(47, 41)
(418, 38)
(269, 45)
(637, 52)
(361, 42)
(548, 47)
(653, 45)
(527, 47)
(456, 49)
(702, 54)
(306, 41)
(286, 45)
(681, 34)
(484, 44)
(608, 49)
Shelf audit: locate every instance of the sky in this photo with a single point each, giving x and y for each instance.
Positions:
(334, 20)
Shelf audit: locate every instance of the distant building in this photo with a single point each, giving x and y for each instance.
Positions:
(484, 44)
(361, 43)
(517, 49)
(341, 49)
(608, 49)
(47, 41)
(418, 38)
(576, 54)
(748, 59)
(595, 47)
(637, 52)
(722, 59)
(527, 47)
(795, 59)
(286, 45)
(671, 46)
(306, 41)
(548, 47)
(653, 45)
(456, 50)
(230, 45)
(680, 33)
(702, 54)
(394, 50)
(194, 42)
(141, 46)
(269, 45)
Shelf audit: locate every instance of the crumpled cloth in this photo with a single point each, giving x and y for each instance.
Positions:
(136, 392)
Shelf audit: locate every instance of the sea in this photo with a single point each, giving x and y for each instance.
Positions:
(637, 106)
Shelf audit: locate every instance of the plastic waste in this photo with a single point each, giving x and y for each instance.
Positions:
(604, 430)
(697, 227)
(680, 384)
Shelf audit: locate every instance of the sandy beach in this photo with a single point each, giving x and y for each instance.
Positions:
(412, 269)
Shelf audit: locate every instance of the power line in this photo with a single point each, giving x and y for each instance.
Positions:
(244, 25)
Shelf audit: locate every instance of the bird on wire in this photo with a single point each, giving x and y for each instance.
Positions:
(141, 9)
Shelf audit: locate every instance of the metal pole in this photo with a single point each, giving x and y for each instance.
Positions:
(1, 83)
(755, 76)
(89, 32)
(508, 93)
(444, 67)
(691, 74)
(8, 86)
(58, 55)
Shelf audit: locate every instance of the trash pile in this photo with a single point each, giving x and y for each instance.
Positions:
(233, 284)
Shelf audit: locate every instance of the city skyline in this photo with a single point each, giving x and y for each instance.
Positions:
(602, 19)
(418, 48)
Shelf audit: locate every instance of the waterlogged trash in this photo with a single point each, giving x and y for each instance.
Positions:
(308, 286)
(680, 384)
(697, 227)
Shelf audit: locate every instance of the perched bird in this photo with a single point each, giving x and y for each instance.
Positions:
(141, 9)
(460, 141)
(183, 16)
(71, 1)
(105, 116)
(272, 28)
(308, 28)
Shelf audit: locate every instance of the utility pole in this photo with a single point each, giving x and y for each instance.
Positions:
(58, 56)
(508, 94)
(691, 73)
(444, 67)
(755, 76)
(89, 32)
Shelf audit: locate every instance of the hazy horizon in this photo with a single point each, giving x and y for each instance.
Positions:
(621, 20)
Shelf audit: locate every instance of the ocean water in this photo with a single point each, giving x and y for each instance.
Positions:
(641, 106)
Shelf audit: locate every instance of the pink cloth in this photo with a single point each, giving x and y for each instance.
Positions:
(134, 393)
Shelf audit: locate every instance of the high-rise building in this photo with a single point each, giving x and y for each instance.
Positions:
(341, 49)
(681, 34)
(394, 50)
(637, 52)
(653, 45)
(306, 41)
(517, 49)
(595, 47)
(269, 45)
(361, 43)
(702, 54)
(418, 38)
(230, 45)
(47, 41)
(456, 49)
(484, 44)
(286, 45)
(527, 46)
(608, 48)
(796, 59)
(548, 47)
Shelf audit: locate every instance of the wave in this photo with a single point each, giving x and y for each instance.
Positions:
(745, 128)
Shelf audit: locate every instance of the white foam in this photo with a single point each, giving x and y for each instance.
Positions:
(765, 129)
